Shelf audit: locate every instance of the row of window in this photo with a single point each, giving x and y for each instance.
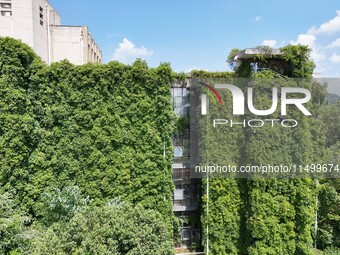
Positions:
(6, 8)
(93, 55)
(41, 14)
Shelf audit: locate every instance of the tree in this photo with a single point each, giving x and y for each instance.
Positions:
(116, 228)
(231, 58)
(61, 205)
(330, 115)
(14, 233)
(102, 128)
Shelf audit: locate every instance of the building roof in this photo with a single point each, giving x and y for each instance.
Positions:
(250, 53)
(66, 26)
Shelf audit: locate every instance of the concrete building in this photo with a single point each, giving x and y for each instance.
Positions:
(271, 59)
(74, 43)
(252, 53)
(38, 24)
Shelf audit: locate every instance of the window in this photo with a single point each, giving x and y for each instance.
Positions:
(6, 8)
(178, 152)
(6, 13)
(41, 14)
(178, 194)
(6, 5)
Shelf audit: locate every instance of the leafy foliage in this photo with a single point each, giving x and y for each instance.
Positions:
(74, 137)
(298, 58)
(211, 75)
(231, 58)
(14, 234)
(110, 229)
(102, 128)
(296, 62)
(330, 115)
(61, 205)
(267, 216)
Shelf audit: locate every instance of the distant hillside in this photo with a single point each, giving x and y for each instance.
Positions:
(332, 98)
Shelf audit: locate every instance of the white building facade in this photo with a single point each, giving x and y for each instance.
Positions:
(36, 23)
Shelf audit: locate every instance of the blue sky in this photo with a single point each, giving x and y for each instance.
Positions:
(198, 34)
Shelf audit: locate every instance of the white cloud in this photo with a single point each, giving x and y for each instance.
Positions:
(334, 44)
(270, 43)
(258, 18)
(305, 39)
(329, 27)
(127, 52)
(335, 58)
(282, 43)
(327, 61)
(317, 56)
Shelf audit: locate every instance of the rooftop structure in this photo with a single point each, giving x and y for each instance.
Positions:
(262, 58)
(251, 53)
(38, 24)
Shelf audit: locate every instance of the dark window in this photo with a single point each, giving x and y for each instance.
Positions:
(6, 13)
(41, 14)
(6, 8)
(6, 5)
